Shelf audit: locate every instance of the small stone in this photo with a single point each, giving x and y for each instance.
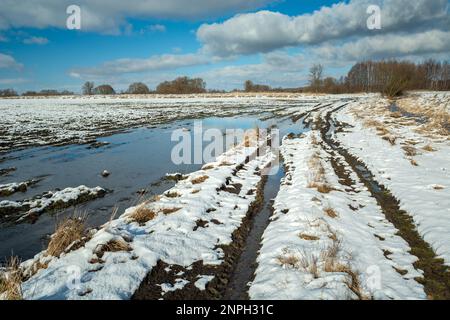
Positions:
(105, 173)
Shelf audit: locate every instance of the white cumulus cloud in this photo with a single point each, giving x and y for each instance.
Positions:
(111, 15)
(265, 31)
(8, 62)
(128, 65)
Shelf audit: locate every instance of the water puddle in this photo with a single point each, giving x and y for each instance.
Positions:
(246, 264)
(137, 159)
(418, 118)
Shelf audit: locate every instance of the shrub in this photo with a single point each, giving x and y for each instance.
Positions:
(104, 89)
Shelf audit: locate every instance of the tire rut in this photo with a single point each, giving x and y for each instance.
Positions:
(436, 277)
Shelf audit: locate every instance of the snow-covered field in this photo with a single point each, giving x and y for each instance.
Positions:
(331, 236)
(327, 245)
(63, 120)
(416, 169)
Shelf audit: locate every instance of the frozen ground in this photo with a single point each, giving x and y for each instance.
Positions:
(64, 120)
(329, 237)
(416, 168)
(191, 222)
(327, 245)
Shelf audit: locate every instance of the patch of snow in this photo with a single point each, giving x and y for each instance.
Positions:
(202, 281)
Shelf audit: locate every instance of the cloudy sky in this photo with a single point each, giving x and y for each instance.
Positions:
(225, 42)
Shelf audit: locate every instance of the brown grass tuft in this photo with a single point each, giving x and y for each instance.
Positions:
(288, 260)
(67, 233)
(429, 148)
(390, 139)
(167, 211)
(114, 245)
(317, 178)
(11, 280)
(330, 212)
(308, 237)
(309, 263)
(324, 188)
(200, 179)
(172, 194)
(142, 214)
(396, 114)
(410, 151)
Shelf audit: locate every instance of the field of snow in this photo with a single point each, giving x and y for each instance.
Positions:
(64, 120)
(416, 169)
(325, 245)
(363, 211)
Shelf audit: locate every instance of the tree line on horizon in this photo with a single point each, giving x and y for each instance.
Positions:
(390, 77)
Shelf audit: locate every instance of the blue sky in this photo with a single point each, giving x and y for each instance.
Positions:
(272, 42)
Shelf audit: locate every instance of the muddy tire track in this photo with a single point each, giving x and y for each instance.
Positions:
(436, 276)
(150, 288)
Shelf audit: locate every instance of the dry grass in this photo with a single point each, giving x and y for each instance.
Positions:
(317, 178)
(308, 237)
(251, 137)
(396, 114)
(391, 139)
(200, 179)
(288, 260)
(429, 148)
(114, 245)
(330, 212)
(172, 194)
(371, 123)
(67, 233)
(329, 255)
(142, 214)
(331, 264)
(410, 151)
(309, 263)
(414, 162)
(324, 188)
(353, 281)
(11, 280)
(167, 211)
(436, 114)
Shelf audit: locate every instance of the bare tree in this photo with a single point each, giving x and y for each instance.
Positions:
(8, 93)
(182, 85)
(88, 88)
(138, 88)
(315, 76)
